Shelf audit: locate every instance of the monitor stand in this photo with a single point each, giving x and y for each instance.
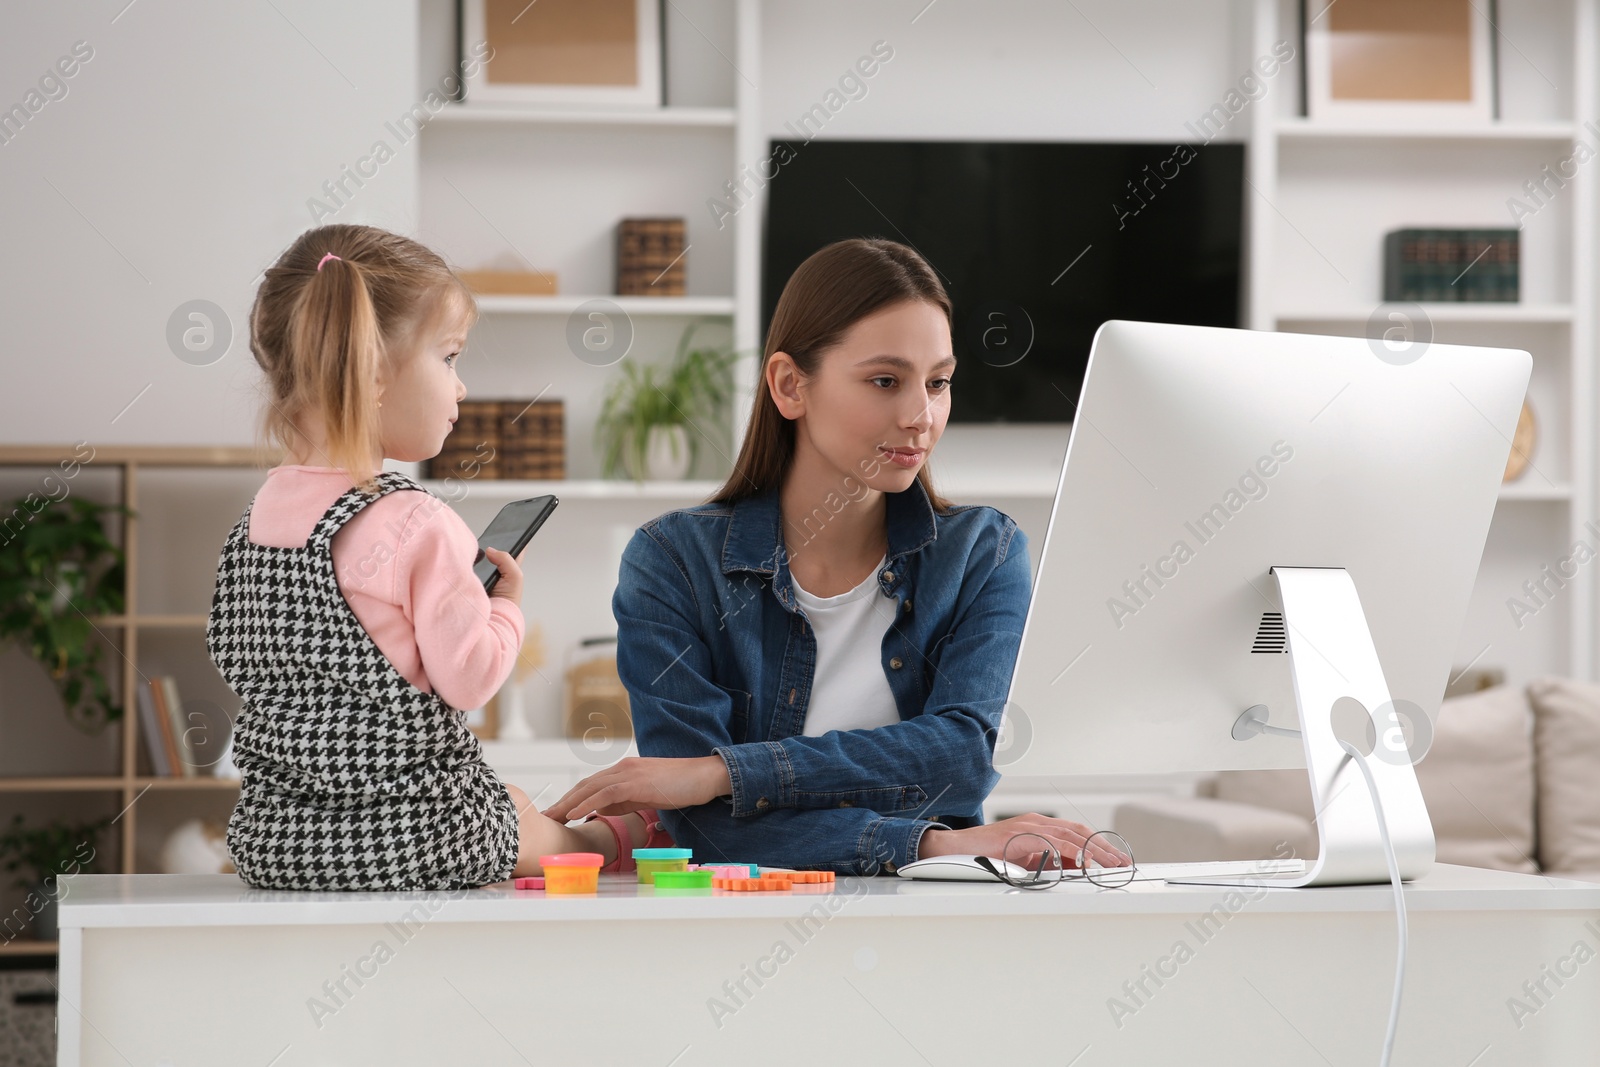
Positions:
(1331, 656)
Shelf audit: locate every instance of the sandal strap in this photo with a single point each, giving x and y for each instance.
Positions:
(656, 835)
(624, 863)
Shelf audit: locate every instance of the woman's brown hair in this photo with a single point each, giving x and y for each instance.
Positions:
(322, 336)
(835, 288)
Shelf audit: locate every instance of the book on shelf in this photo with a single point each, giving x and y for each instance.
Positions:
(1462, 266)
(180, 726)
(157, 733)
(169, 714)
(650, 257)
(503, 439)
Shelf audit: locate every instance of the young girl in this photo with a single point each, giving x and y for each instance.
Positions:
(346, 614)
(817, 659)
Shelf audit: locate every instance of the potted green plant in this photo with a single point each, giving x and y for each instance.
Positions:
(652, 417)
(39, 857)
(59, 569)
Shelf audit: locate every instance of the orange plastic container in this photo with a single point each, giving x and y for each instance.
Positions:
(572, 872)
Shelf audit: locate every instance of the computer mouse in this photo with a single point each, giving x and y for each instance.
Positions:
(960, 868)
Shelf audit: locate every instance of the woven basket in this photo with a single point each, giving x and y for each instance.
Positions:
(505, 439)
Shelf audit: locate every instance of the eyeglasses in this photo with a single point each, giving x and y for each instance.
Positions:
(1047, 869)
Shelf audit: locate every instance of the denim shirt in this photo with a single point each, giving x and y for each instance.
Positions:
(717, 657)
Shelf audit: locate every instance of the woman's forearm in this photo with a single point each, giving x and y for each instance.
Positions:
(661, 782)
(942, 759)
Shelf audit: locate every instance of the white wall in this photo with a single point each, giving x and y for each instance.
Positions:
(1003, 69)
(177, 167)
(179, 163)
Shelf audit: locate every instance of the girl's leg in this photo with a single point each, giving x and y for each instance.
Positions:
(539, 835)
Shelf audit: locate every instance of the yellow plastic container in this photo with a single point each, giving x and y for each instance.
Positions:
(651, 861)
(572, 872)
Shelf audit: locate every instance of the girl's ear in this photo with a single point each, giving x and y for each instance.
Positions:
(783, 382)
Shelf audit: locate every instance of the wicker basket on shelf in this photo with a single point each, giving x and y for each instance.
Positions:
(503, 439)
(650, 257)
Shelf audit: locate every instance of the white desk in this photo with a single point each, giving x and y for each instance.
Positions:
(202, 970)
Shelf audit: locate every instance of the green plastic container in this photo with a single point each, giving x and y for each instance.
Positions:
(652, 861)
(683, 879)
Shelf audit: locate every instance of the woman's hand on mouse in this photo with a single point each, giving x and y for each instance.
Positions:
(645, 782)
(991, 840)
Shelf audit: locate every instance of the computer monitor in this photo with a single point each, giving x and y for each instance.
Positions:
(1229, 496)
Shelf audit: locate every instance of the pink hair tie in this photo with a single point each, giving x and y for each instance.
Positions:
(327, 257)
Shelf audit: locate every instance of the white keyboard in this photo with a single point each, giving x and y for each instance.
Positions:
(986, 869)
(1147, 872)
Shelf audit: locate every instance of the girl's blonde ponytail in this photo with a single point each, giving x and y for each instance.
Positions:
(337, 352)
(326, 337)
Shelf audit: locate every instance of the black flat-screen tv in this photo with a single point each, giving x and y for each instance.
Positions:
(1037, 244)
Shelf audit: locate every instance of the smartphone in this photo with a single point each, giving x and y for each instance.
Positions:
(511, 531)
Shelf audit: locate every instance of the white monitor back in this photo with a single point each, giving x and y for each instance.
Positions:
(1199, 458)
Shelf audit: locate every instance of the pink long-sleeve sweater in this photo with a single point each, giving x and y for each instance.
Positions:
(404, 564)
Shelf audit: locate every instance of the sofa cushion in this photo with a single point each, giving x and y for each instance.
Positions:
(1282, 790)
(1567, 740)
(1476, 779)
(1189, 829)
(1478, 783)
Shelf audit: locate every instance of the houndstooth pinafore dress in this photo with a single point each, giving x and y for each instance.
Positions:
(351, 777)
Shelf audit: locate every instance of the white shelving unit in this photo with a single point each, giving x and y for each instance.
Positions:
(1319, 200)
(1321, 196)
(549, 184)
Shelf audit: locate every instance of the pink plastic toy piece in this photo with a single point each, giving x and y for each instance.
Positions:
(530, 883)
(738, 870)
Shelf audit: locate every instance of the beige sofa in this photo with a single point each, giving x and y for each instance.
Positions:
(1512, 782)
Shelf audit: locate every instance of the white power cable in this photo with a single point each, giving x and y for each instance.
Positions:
(1399, 898)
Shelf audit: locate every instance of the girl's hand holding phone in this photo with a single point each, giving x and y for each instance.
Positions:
(510, 531)
(510, 584)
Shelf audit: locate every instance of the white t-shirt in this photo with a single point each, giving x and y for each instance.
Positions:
(849, 690)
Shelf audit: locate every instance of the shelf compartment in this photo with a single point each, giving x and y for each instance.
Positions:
(1334, 202)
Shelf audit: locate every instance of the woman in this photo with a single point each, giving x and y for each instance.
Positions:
(817, 659)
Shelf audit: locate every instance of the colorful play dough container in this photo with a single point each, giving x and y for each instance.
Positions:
(572, 872)
(683, 879)
(650, 861)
